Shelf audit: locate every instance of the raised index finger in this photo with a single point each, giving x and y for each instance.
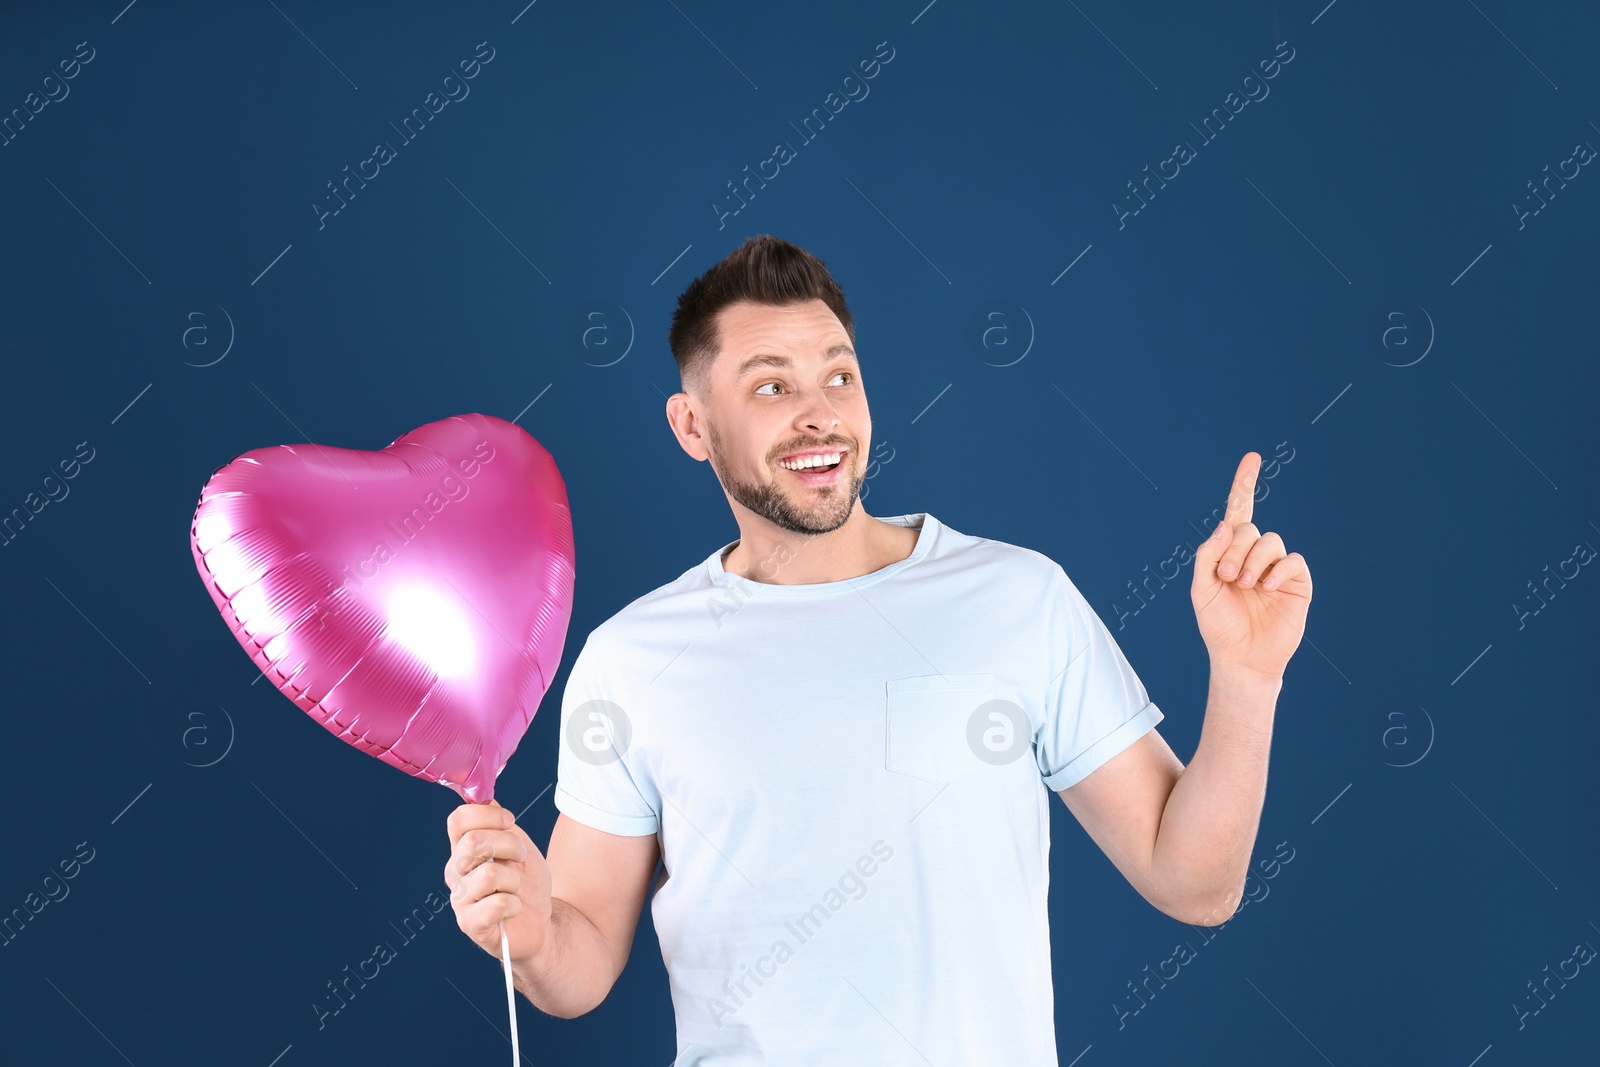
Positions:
(1242, 497)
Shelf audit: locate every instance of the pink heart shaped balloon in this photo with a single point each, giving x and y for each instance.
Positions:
(413, 600)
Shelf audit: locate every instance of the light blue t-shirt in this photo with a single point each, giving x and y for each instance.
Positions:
(850, 784)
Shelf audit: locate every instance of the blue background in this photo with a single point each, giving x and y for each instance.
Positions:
(1433, 752)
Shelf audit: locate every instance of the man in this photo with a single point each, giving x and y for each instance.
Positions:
(836, 734)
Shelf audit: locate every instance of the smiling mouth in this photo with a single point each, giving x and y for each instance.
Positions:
(844, 454)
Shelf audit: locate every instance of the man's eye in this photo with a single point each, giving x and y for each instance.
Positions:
(839, 374)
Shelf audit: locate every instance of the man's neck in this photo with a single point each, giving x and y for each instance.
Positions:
(779, 557)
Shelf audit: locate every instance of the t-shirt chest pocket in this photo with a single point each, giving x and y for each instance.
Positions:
(928, 720)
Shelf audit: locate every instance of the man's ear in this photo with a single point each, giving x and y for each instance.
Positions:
(685, 423)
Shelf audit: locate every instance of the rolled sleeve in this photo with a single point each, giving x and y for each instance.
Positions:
(1095, 706)
(1102, 750)
(600, 819)
(595, 783)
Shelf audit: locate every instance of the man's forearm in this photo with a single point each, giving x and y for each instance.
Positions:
(574, 971)
(1209, 824)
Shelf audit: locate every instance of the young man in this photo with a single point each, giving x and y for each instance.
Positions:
(837, 733)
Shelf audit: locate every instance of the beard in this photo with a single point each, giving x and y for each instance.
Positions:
(802, 510)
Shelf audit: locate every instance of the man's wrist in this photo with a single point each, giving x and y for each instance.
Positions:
(1234, 677)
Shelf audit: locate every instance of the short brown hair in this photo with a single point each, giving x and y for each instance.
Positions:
(762, 270)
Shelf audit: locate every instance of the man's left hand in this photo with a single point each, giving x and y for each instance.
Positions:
(1250, 596)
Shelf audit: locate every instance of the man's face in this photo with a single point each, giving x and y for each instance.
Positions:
(785, 381)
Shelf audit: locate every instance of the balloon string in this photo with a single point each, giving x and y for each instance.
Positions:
(511, 998)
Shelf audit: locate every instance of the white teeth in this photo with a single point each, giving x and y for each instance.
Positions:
(811, 461)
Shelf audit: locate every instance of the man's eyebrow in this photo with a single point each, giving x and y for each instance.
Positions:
(768, 359)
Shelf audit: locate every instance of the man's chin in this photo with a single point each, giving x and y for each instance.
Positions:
(824, 514)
